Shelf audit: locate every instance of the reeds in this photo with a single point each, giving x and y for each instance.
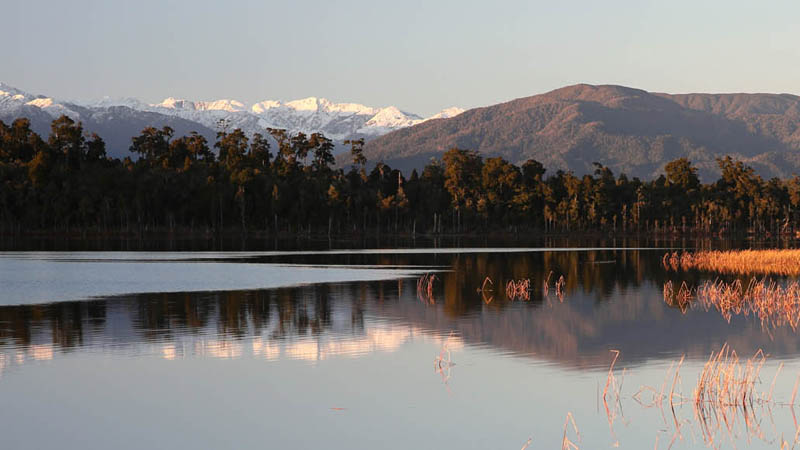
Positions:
(773, 304)
(726, 387)
(672, 380)
(425, 288)
(486, 281)
(547, 283)
(444, 363)
(727, 382)
(566, 443)
(516, 289)
(559, 286)
(519, 289)
(487, 290)
(616, 395)
(728, 399)
(740, 262)
(682, 298)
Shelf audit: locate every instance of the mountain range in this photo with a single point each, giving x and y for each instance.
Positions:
(632, 131)
(117, 120)
(629, 130)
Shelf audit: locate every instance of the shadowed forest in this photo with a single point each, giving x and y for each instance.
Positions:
(283, 183)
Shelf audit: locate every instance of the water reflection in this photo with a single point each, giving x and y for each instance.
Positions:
(310, 324)
(612, 299)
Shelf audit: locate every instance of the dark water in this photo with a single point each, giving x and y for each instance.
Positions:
(336, 349)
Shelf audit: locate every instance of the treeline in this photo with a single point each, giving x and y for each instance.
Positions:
(68, 183)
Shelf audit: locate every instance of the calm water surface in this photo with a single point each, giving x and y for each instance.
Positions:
(336, 350)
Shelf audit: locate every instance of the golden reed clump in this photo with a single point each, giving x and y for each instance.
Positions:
(739, 262)
(730, 400)
(773, 304)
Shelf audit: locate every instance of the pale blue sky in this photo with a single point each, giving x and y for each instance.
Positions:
(421, 56)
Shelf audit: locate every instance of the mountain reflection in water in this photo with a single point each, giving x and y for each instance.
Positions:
(606, 305)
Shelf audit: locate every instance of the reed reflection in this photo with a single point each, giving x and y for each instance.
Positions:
(611, 299)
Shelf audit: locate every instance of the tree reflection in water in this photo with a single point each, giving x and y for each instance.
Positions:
(613, 299)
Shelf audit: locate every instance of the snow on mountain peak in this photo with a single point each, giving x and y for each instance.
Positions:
(354, 108)
(447, 113)
(175, 103)
(392, 117)
(324, 105)
(10, 91)
(107, 102)
(41, 102)
(221, 105)
(188, 105)
(12, 97)
(264, 106)
(308, 104)
(6, 95)
(309, 115)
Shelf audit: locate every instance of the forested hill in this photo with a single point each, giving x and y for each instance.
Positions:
(629, 130)
(66, 183)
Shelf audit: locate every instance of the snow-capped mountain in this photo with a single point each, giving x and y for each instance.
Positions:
(447, 113)
(336, 120)
(12, 99)
(117, 120)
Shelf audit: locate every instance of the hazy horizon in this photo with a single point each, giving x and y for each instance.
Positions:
(419, 57)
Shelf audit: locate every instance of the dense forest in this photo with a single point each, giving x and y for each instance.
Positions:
(67, 183)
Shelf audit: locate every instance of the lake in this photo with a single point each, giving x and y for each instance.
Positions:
(365, 349)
